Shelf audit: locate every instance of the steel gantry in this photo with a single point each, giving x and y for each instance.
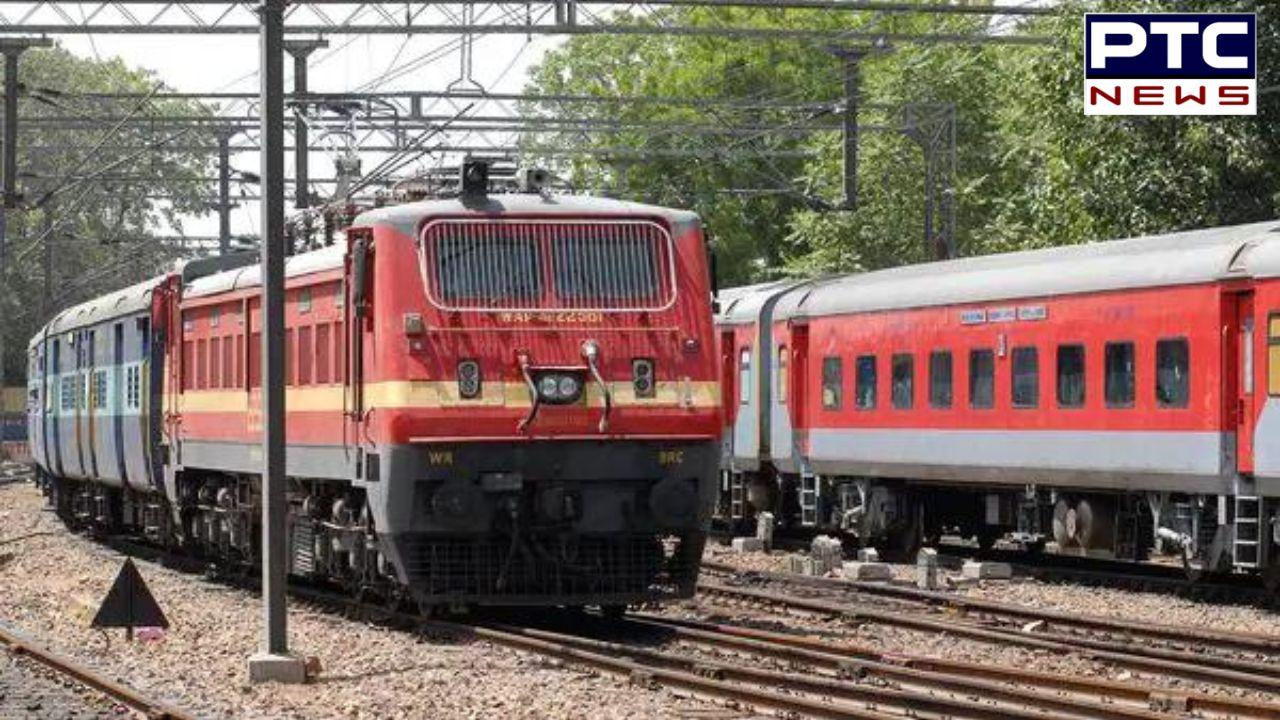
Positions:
(432, 17)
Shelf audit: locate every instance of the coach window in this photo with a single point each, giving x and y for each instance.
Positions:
(1173, 366)
(782, 375)
(1119, 378)
(1070, 376)
(744, 375)
(940, 379)
(304, 300)
(902, 391)
(982, 379)
(832, 383)
(865, 382)
(1026, 377)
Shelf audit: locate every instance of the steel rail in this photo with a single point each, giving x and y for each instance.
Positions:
(912, 700)
(19, 644)
(1220, 638)
(905, 667)
(1187, 665)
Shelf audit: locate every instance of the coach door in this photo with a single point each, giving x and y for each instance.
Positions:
(728, 373)
(799, 381)
(1241, 355)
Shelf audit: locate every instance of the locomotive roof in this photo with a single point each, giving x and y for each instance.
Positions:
(1180, 258)
(326, 258)
(128, 301)
(407, 216)
(742, 305)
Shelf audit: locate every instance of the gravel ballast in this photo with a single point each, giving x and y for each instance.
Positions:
(54, 581)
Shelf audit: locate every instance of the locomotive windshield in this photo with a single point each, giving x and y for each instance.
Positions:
(530, 264)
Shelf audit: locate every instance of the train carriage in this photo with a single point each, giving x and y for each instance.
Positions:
(506, 399)
(1101, 396)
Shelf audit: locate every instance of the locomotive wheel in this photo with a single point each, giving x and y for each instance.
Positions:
(1063, 524)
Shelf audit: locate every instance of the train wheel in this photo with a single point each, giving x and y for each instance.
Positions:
(1063, 523)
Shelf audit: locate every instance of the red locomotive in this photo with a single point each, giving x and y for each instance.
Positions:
(1106, 396)
(502, 399)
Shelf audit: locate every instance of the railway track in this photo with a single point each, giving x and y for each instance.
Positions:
(791, 673)
(1224, 659)
(813, 678)
(1219, 639)
(18, 644)
(1122, 574)
(1089, 571)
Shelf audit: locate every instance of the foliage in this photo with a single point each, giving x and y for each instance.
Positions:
(96, 190)
(1031, 169)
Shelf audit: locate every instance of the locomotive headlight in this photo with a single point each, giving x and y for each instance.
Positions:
(469, 379)
(642, 377)
(568, 387)
(558, 388)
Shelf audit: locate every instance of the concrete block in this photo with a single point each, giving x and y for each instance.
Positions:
(764, 529)
(747, 544)
(827, 553)
(869, 571)
(269, 667)
(927, 569)
(801, 565)
(974, 570)
(868, 555)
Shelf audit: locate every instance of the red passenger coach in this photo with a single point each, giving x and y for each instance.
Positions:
(506, 399)
(1105, 397)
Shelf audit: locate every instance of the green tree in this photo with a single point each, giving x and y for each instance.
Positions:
(1031, 169)
(99, 178)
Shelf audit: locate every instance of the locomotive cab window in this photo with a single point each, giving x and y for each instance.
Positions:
(744, 376)
(940, 379)
(1119, 375)
(903, 390)
(865, 382)
(1070, 376)
(1173, 368)
(1026, 377)
(982, 379)
(832, 382)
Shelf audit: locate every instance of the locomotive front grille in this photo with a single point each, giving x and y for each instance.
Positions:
(596, 569)
(535, 265)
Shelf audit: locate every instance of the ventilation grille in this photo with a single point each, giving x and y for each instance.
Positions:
(531, 265)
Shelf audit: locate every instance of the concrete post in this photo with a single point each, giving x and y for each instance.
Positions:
(274, 661)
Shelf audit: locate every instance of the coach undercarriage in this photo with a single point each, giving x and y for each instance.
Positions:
(1207, 534)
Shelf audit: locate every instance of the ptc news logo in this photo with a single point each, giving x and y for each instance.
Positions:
(1170, 64)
